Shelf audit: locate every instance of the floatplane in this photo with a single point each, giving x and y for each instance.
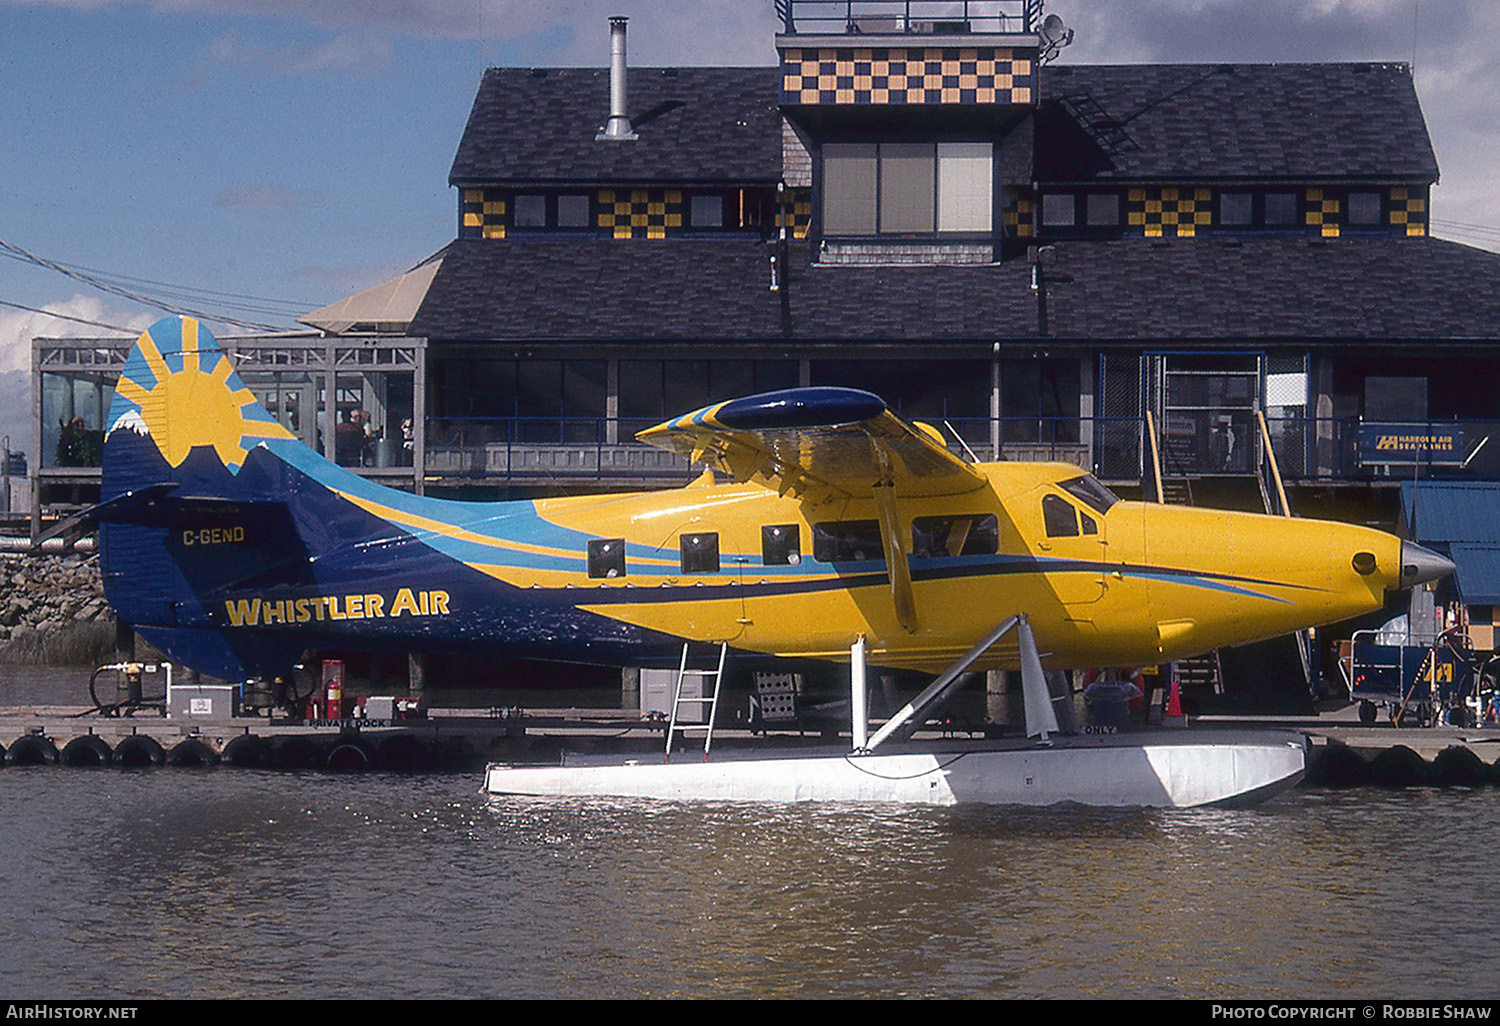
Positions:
(824, 527)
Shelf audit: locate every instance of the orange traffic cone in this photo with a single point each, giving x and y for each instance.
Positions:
(1174, 714)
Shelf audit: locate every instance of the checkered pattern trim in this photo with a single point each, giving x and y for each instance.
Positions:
(799, 207)
(1017, 219)
(482, 214)
(1406, 209)
(1168, 211)
(640, 213)
(876, 76)
(1323, 212)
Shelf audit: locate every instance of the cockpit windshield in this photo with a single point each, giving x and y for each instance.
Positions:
(1088, 489)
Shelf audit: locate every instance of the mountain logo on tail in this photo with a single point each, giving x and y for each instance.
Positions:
(179, 389)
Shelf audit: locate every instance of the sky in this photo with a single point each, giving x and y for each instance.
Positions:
(257, 159)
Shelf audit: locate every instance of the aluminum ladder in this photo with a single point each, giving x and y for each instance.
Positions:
(712, 700)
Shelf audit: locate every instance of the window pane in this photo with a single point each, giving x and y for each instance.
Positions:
(907, 172)
(844, 540)
(941, 537)
(687, 385)
(1103, 208)
(708, 211)
(1364, 208)
(1235, 208)
(849, 189)
(531, 212)
(1059, 517)
(584, 385)
(573, 212)
(965, 187)
(1091, 491)
(781, 545)
(640, 389)
(1281, 208)
(1057, 209)
(606, 557)
(700, 553)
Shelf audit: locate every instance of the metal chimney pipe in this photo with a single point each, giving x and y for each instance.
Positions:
(618, 127)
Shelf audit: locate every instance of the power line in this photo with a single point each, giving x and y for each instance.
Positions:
(1480, 229)
(134, 296)
(185, 290)
(69, 317)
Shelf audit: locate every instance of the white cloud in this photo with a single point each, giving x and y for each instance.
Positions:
(19, 327)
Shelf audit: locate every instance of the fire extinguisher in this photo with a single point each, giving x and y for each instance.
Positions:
(333, 688)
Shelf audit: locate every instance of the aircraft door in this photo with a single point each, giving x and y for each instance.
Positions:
(1075, 547)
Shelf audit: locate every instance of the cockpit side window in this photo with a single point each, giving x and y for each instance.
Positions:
(1059, 517)
(1088, 490)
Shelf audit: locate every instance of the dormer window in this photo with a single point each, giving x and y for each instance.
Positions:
(706, 211)
(907, 189)
(1365, 208)
(1059, 209)
(573, 212)
(540, 211)
(530, 210)
(1281, 208)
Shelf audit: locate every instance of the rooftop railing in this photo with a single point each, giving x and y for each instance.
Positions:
(908, 17)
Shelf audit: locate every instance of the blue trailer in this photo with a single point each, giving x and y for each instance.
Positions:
(1417, 684)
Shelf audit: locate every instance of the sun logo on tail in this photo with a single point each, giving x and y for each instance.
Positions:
(179, 388)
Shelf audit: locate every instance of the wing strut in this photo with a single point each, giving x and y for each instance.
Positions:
(895, 556)
(1040, 717)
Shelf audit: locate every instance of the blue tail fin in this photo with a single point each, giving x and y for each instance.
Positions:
(191, 504)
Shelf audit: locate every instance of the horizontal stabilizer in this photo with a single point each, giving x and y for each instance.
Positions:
(120, 508)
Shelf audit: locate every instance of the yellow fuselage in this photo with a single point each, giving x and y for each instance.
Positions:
(1137, 584)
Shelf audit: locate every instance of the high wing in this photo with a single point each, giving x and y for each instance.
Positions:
(817, 444)
(823, 444)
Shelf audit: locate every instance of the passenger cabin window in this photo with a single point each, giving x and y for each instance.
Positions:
(607, 557)
(843, 541)
(975, 534)
(1059, 517)
(700, 553)
(780, 545)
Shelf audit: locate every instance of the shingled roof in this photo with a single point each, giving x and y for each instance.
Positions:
(1227, 291)
(1197, 123)
(1232, 122)
(705, 291)
(1245, 291)
(694, 125)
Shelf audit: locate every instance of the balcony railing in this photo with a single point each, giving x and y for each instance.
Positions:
(908, 17)
(1192, 444)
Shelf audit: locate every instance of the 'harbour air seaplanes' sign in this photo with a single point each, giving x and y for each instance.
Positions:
(1431, 445)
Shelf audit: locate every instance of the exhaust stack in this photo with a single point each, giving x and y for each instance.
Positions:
(618, 128)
